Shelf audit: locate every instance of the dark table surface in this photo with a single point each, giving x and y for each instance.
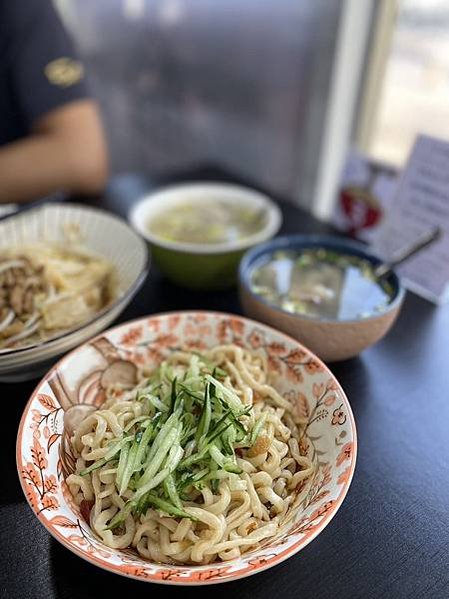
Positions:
(390, 538)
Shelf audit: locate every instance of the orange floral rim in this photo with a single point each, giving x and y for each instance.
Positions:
(44, 459)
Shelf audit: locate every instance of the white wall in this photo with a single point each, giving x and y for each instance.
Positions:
(350, 58)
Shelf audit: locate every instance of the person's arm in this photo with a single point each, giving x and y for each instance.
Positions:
(61, 145)
(65, 152)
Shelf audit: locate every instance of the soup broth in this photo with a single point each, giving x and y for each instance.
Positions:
(207, 222)
(321, 283)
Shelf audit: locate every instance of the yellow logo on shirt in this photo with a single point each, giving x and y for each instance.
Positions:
(64, 72)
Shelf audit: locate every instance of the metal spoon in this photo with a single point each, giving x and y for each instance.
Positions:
(422, 242)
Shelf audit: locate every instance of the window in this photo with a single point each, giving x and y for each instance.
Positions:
(413, 86)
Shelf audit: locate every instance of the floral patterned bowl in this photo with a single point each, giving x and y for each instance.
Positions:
(44, 459)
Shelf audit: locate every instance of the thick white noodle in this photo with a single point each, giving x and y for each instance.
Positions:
(245, 510)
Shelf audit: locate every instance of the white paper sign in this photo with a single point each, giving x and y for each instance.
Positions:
(421, 203)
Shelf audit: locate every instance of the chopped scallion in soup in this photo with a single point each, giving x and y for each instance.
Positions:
(321, 283)
(207, 222)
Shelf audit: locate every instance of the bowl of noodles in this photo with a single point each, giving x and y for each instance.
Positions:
(187, 448)
(66, 272)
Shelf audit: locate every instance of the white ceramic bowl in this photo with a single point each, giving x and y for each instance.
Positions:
(102, 233)
(44, 460)
(202, 266)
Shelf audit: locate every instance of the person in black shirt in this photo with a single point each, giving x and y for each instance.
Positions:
(51, 138)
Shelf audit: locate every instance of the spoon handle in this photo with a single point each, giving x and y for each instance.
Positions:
(422, 242)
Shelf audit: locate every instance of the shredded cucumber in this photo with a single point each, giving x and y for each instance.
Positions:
(107, 457)
(184, 437)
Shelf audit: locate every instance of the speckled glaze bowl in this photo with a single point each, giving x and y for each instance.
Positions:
(331, 340)
(44, 459)
(202, 266)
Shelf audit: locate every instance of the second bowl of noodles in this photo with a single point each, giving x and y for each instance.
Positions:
(66, 272)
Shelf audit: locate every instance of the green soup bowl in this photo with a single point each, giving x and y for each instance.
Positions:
(203, 266)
